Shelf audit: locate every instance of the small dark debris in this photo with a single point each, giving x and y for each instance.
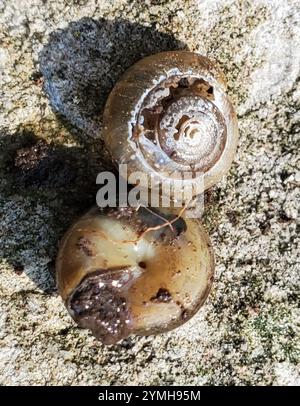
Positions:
(103, 310)
(28, 158)
(42, 164)
(283, 217)
(184, 314)
(163, 295)
(84, 244)
(241, 262)
(64, 332)
(18, 268)
(284, 175)
(127, 343)
(210, 196)
(265, 227)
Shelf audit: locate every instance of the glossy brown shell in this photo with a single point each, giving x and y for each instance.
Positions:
(147, 282)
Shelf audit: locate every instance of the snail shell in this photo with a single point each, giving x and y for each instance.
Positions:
(123, 271)
(169, 114)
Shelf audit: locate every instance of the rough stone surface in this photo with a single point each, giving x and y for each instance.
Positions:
(59, 59)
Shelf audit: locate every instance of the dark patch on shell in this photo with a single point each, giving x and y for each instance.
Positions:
(162, 296)
(85, 245)
(184, 312)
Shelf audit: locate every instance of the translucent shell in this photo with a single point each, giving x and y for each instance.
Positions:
(170, 113)
(123, 272)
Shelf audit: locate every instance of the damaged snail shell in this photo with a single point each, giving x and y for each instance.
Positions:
(123, 271)
(170, 114)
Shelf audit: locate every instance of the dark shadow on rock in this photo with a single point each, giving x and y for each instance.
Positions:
(47, 186)
(81, 63)
(44, 187)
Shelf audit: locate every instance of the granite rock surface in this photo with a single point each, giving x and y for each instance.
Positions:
(59, 60)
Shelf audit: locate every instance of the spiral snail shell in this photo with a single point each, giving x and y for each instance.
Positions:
(169, 114)
(123, 271)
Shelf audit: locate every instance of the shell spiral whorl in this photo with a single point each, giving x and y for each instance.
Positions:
(170, 113)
